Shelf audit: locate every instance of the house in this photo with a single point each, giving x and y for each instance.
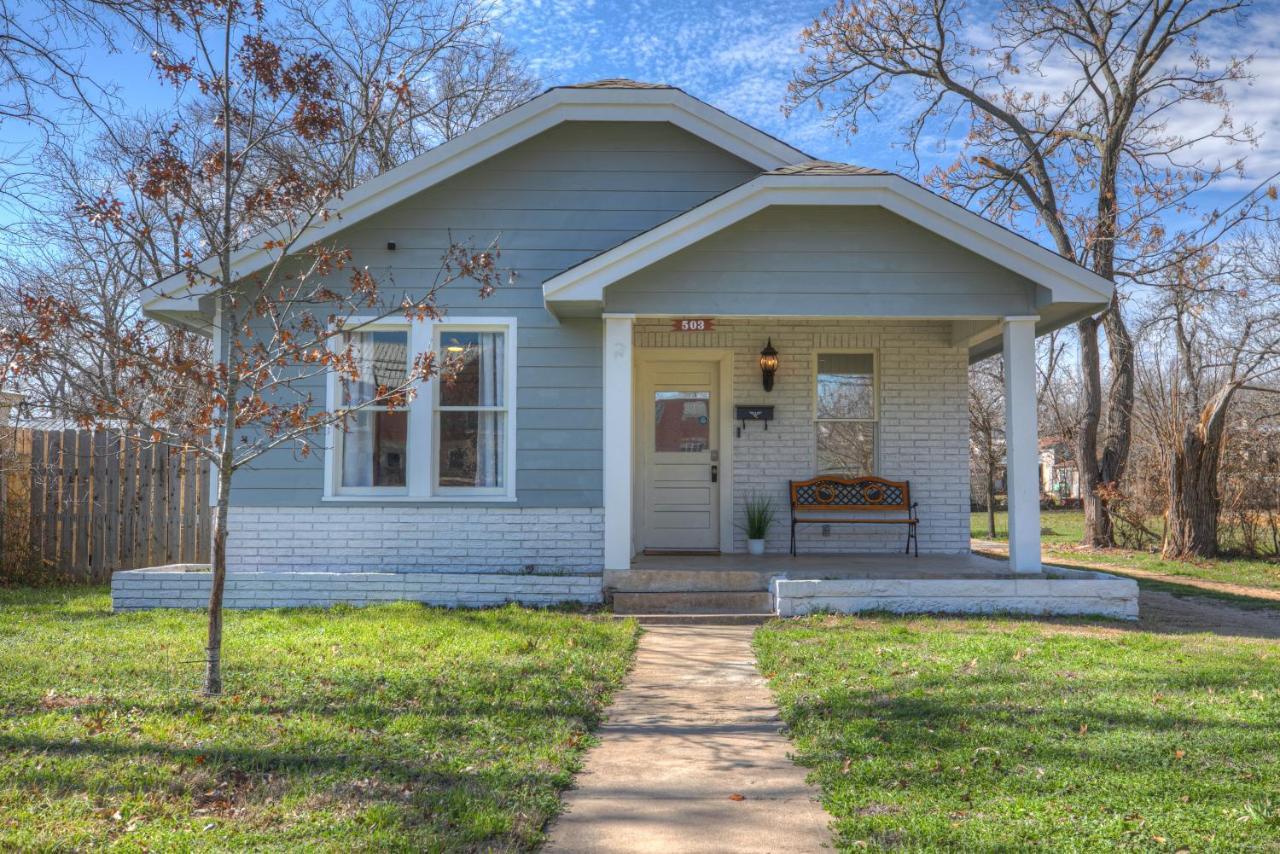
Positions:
(1059, 477)
(660, 245)
(9, 402)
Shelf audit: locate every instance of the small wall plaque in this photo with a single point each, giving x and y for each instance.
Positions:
(693, 324)
(744, 414)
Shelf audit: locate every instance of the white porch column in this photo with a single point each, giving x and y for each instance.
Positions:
(617, 441)
(1021, 443)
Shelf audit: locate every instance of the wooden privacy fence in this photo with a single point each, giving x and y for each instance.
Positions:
(81, 504)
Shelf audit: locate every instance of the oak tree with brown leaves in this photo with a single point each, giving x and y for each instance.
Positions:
(231, 177)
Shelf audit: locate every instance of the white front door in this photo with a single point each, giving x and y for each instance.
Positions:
(680, 457)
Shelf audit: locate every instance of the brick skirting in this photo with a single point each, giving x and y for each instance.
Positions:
(180, 587)
(1065, 592)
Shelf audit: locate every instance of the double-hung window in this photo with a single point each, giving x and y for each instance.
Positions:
(374, 449)
(845, 414)
(471, 407)
(454, 441)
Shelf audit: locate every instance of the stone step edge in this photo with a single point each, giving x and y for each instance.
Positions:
(747, 619)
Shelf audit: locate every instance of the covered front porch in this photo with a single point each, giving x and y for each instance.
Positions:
(884, 396)
(845, 307)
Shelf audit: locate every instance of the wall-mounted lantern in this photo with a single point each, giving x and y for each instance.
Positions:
(768, 364)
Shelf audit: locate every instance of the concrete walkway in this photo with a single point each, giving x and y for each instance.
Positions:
(691, 758)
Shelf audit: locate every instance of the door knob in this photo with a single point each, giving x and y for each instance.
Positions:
(715, 474)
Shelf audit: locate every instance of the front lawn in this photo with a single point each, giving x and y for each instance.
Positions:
(397, 727)
(1062, 530)
(1003, 734)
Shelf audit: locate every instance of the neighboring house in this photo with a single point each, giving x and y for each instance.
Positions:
(9, 403)
(660, 244)
(1059, 477)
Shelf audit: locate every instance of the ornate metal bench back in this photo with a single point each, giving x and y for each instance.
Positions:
(857, 493)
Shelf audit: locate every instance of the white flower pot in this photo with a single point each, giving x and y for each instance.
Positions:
(755, 547)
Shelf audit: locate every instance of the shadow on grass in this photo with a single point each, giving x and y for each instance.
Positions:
(416, 797)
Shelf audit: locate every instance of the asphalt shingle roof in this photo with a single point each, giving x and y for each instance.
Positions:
(617, 83)
(825, 167)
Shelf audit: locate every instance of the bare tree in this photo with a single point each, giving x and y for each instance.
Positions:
(47, 86)
(411, 73)
(1091, 161)
(1213, 334)
(986, 429)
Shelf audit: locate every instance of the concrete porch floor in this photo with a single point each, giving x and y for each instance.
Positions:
(785, 585)
(831, 566)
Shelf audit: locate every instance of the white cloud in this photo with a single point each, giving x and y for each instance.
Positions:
(739, 56)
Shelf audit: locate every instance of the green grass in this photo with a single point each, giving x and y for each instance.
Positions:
(397, 727)
(1003, 734)
(1062, 530)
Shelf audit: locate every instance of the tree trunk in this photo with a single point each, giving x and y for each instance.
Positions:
(1193, 499)
(991, 499)
(1097, 524)
(218, 565)
(1194, 503)
(226, 449)
(1118, 427)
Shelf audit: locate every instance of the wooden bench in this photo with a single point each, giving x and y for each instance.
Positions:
(847, 501)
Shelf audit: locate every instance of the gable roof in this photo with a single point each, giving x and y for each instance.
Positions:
(177, 298)
(822, 183)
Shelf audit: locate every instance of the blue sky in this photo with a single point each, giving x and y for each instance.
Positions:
(739, 54)
(735, 55)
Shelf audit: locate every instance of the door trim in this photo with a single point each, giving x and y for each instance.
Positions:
(724, 410)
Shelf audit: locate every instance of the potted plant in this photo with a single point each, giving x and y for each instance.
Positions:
(759, 516)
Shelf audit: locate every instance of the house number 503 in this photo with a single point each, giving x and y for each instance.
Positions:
(693, 324)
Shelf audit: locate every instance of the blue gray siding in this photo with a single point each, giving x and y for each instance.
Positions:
(551, 202)
(824, 261)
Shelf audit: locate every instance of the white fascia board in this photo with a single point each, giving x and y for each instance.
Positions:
(1067, 281)
(488, 140)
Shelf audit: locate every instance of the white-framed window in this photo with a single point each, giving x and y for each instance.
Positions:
(373, 450)
(472, 451)
(845, 420)
(454, 442)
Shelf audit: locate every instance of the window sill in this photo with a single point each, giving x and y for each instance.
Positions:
(419, 499)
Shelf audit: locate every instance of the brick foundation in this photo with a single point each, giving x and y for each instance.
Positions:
(178, 587)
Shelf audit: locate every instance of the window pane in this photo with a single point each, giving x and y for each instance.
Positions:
(472, 448)
(846, 447)
(373, 449)
(681, 421)
(382, 358)
(845, 385)
(480, 361)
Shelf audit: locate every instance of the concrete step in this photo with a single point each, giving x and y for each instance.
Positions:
(691, 602)
(697, 619)
(690, 580)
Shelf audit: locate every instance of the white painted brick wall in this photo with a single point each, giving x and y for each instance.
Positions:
(923, 431)
(357, 538)
(138, 590)
(1068, 592)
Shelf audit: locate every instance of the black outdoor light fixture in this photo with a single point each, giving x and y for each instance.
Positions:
(768, 364)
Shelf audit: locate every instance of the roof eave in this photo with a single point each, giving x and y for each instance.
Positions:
(1070, 313)
(1067, 281)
